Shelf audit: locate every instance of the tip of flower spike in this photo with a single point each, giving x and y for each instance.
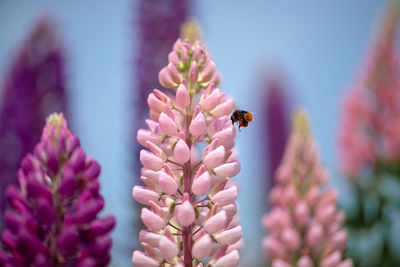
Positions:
(190, 31)
(300, 123)
(55, 119)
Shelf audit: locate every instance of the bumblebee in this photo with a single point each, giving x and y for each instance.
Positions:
(242, 117)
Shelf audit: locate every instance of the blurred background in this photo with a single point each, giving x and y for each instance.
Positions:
(310, 50)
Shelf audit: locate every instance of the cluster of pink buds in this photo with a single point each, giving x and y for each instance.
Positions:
(371, 117)
(304, 225)
(188, 162)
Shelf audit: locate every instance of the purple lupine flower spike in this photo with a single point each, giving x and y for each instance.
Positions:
(304, 225)
(53, 219)
(33, 88)
(277, 125)
(188, 162)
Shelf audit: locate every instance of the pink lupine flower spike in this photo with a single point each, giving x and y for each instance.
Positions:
(304, 226)
(187, 164)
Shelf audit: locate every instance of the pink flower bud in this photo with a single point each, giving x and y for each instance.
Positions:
(193, 72)
(225, 136)
(301, 213)
(291, 238)
(152, 221)
(325, 213)
(146, 236)
(225, 197)
(208, 71)
(216, 223)
(181, 151)
(202, 247)
(155, 103)
(312, 196)
(229, 260)
(290, 195)
(229, 169)
(339, 240)
(198, 125)
(332, 260)
(174, 58)
(346, 263)
(273, 247)
(146, 135)
(208, 102)
(182, 96)
(167, 184)
(185, 213)
(168, 249)
(229, 236)
(305, 261)
(140, 259)
(144, 195)
(315, 234)
(150, 161)
(280, 263)
(224, 108)
(201, 184)
(215, 158)
(165, 79)
(174, 74)
(230, 211)
(167, 125)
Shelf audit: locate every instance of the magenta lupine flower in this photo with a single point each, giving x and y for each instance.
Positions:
(34, 87)
(187, 166)
(276, 125)
(371, 121)
(53, 220)
(304, 225)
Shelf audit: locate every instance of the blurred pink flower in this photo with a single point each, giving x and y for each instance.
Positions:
(304, 226)
(371, 119)
(191, 214)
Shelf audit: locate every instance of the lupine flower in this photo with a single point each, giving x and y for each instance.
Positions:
(157, 26)
(33, 88)
(304, 225)
(276, 125)
(370, 152)
(371, 121)
(188, 162)
(53, 220)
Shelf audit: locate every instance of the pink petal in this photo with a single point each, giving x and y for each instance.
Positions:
(216, 223)
(211, 101)
(182, 96)
(146, 236)
(140, 259)
(202, 247)
(215, 157)
(225, 197)
(229, 236)
(165, 79)
(224, 108)
(229, 169)
(332, 260)
(301, 212)
(229, 260)
(146, 135)
(152, 221)
(150, 161)
(193, 72)
(167, 184)
(155, 104)
(185, 213)
(208, 71)
(315, 234)
(174, 74)
(198, 125)
(291, 238)
(168, 249)
(305, 261)
(201, 184)
(182, 152)
(167, 125)
(144, 195)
